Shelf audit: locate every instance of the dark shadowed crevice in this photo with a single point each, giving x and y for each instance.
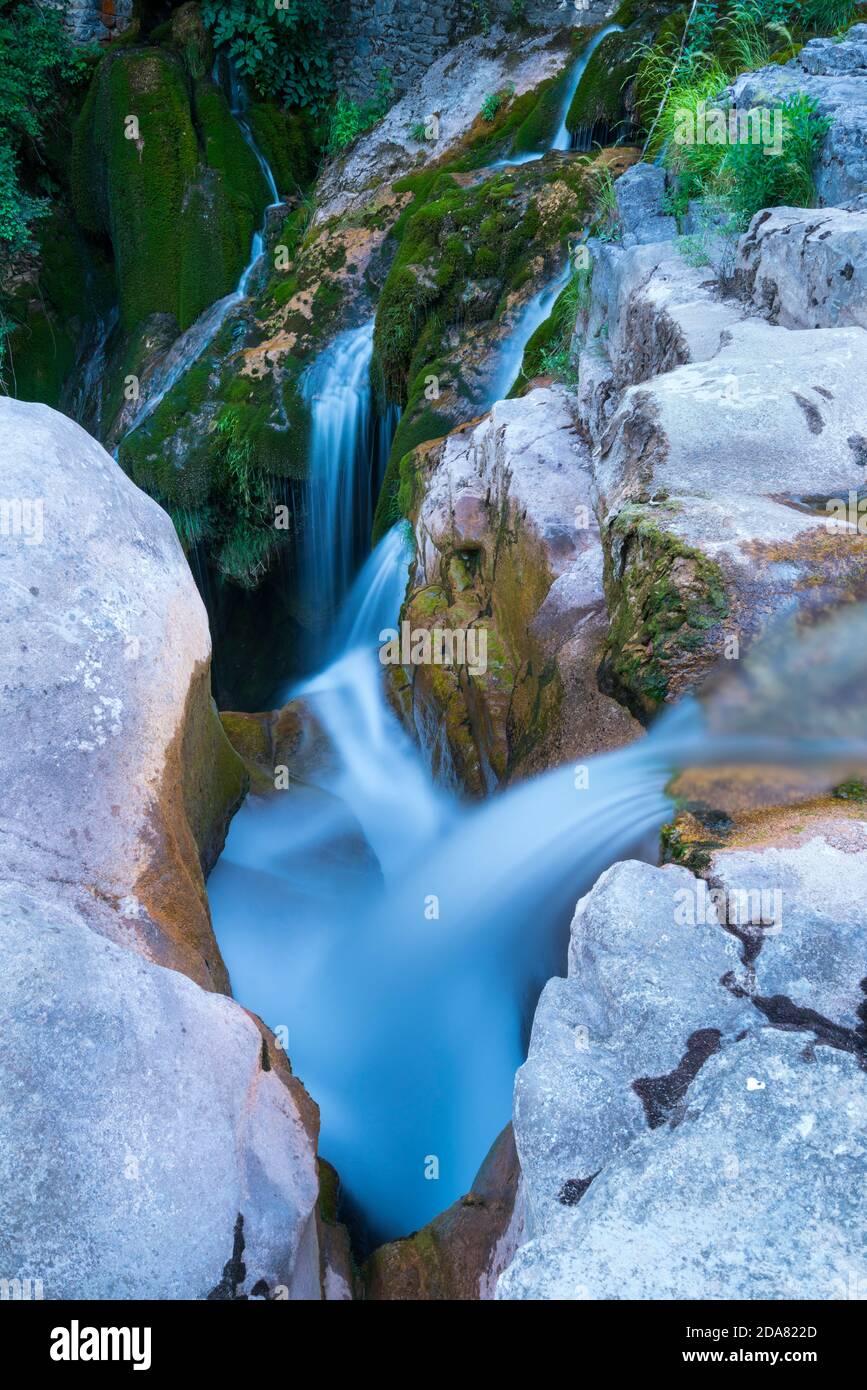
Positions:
(573, 1189)
(660, 1094)
(234, 1270)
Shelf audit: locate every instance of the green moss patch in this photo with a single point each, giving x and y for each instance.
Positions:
(667, 602)
(178, 201)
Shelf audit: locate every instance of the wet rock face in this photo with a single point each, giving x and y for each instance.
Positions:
(672, 1144)
(834, 74)
(507, 546)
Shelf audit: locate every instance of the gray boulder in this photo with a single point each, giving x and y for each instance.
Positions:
(806, 268)
(754, 1191)
(640, 192)
(650, 312)
(615, 1046)
(145, 1151)
(803, 395)
(814, 959)
(119, 779)
(153, 1142)
(713, 482)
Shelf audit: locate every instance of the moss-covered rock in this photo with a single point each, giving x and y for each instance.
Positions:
(507, 553)
(291, 141)
(162, 170)
(473, 249)
(52, 300)
(600, 108)
(666, 600)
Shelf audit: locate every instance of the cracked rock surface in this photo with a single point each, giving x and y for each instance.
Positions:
(672, 1143)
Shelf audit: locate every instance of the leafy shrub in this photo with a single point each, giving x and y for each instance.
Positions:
(491, 105)
(753, 180)
(676, 79)
(39, 65)
(482, 11)
(349, 119)
(282, 52)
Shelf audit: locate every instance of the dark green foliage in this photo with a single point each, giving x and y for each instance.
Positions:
(39, 67)
(220, 453)
(283, 52)
(756, 181)
(349, 119)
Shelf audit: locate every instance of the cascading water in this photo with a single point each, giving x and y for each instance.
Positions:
(400, 937)
(563, 139)
(349, 444)
(531, 317)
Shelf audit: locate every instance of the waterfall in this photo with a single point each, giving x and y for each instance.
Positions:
(530, 317)
(398, 935)
(563, 139)
(349, 445)
(402, 937)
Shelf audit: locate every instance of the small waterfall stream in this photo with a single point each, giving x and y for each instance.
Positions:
(349, 446)
(189, 347)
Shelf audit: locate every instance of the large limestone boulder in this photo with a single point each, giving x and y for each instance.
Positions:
(119, 779)
(773, 412)
(810, 964)
(805, 267)
(153, 1141)
(672, 1144)
(148, 1148)
(834, 73)
(616, 1044)
(649, 312)
(755, 1192)
(507, 544)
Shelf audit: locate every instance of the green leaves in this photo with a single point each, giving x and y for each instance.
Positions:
(38, 61)
(282, 51)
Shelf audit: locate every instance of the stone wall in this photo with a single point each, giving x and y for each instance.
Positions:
(406, 36)
(89, 20)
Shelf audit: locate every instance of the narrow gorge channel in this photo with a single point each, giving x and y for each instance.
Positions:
(433, 571)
